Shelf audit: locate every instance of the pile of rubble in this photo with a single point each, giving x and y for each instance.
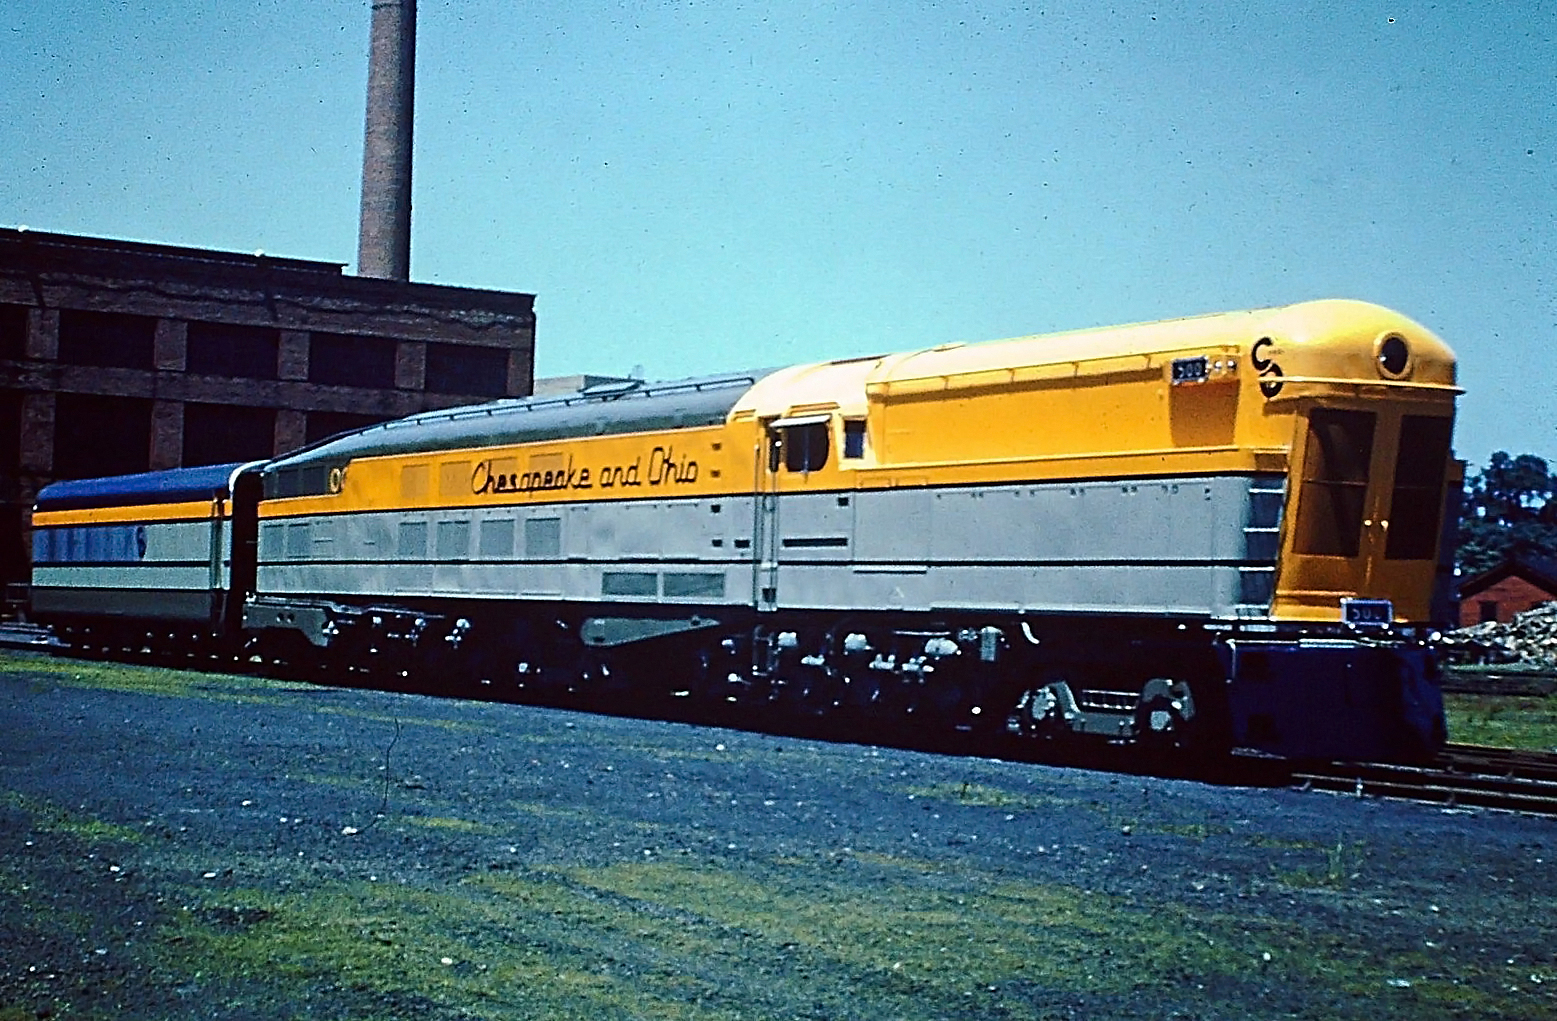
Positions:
(1530, 639)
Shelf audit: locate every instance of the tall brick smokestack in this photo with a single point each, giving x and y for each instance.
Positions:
(384, 239)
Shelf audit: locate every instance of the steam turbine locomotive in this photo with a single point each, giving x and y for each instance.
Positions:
(1213, 532)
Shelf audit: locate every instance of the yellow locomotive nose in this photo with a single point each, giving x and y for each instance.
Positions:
(1366, 397)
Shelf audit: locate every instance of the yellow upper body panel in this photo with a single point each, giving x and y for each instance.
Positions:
(1139, 395)
(658, 465)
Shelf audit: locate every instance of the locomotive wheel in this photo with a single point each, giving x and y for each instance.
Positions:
(1173, 724)
(1037, 716)
(1160, 725)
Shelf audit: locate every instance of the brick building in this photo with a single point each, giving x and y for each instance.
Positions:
(120, 357)
(1517, 584)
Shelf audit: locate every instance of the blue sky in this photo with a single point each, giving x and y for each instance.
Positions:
(698, 186)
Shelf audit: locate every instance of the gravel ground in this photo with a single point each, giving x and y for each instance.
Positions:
(180, 845)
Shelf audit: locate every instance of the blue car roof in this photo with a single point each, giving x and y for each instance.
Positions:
(176, 485)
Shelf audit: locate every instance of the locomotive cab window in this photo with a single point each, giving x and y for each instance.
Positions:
(1335, 482)
(799, 444)
(1416, 503)
(806, 447)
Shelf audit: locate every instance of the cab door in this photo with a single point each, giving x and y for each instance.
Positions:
(1408, 523)
(791, 523)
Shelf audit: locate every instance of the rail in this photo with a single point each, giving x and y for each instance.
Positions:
(1463, 776)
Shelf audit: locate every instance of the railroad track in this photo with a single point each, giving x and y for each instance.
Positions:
(26, 636)
(1464, 776)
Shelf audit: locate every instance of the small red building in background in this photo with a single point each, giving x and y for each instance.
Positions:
(1515, 585)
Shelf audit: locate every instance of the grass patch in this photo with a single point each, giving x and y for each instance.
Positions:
(494, 948)
(219, 687)
(984, 796)
(716, 940)
(407, 721)
(49, 818)
(1265, 840)
(919, 865)
(1192, 830)
(1503, 721)
(447, 824)
(542, 810)
(1343, 863)
(146, 680)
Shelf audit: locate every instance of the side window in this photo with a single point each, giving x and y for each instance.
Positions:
(854, 438)
(799, 445)
(806, 447)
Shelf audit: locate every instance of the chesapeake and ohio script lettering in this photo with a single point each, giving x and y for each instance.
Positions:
(662, 467)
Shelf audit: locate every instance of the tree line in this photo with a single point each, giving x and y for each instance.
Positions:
(1509, 509)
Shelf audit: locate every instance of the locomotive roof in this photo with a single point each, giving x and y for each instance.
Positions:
(1325, 338)
(1329, 339)
(175, 485)
(611, 408)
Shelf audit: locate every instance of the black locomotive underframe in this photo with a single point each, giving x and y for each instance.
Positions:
(980, 673)
(1169, 684)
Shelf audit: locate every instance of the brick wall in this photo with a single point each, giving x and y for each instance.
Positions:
(118, 357)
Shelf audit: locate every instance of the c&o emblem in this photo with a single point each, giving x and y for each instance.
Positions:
(1270, 373)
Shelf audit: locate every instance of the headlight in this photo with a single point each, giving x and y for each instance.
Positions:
(1394, 356)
